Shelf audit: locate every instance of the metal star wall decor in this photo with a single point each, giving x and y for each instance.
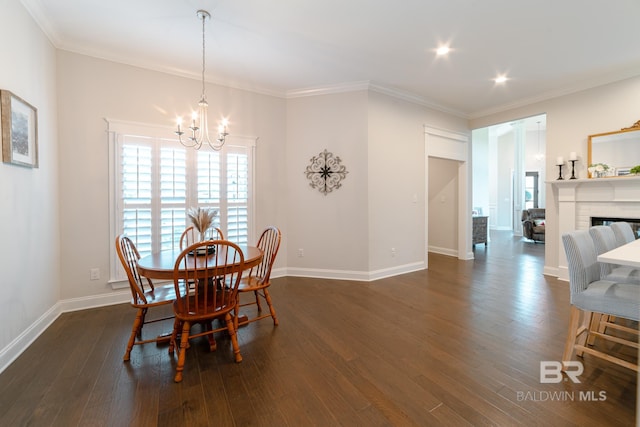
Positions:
(325, 172)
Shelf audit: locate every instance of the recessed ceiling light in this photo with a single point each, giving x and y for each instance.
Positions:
(500, 79)
(442, 50)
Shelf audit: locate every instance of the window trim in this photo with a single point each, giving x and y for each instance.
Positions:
(115, 130)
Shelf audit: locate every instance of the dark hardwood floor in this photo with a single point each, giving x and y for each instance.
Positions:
(457, 344)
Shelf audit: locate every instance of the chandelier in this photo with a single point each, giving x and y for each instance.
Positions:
(199, 124)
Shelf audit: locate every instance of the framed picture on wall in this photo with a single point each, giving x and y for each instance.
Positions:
(19, 130)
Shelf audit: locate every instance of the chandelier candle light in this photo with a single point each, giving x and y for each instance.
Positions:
(199, 125)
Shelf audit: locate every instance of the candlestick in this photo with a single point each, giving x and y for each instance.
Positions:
(559, 172)
(573, 169)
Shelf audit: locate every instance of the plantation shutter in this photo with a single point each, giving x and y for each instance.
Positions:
(156, 180)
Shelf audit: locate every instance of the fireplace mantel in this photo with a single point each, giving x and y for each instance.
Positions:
(613, 181)
(580, 199)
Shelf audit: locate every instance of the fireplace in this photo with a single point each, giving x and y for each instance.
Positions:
(633, 222)
(578, 201)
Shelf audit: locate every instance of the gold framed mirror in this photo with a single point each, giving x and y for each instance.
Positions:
(614, 154)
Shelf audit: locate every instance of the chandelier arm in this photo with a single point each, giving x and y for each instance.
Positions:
(185, 143)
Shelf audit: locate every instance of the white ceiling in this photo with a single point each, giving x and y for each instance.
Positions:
(291, 47)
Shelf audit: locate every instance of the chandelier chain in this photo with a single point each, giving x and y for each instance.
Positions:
(204, 18)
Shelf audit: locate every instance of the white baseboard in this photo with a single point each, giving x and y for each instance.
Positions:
(443, 251)
(26, 338)
(364, 276)
(16, 347)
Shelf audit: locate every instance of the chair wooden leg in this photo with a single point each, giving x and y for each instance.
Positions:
(234, 337)
(208, 326)
(174, 336)
(257, 297)
(135, 332)
(583, 333)
(272, 310)
(596, 324)
(602, 327)
(184, 341)
(144, 315)
(236, 313)
(571, 335)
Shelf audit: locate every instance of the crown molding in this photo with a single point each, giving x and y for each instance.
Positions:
(328, 89)
(375, 87)
(545, 96)
(36, 10)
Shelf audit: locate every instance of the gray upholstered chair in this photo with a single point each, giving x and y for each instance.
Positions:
(605, 240)
(623, 232)
(591, 295)
(533, 224)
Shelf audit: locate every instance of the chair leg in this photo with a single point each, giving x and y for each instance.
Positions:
(144, 315)
(236, 313)
(184, 341)
(272, 310)
(234, 337)
(257, 297)
(597, 320)
(208, 326)
(602, 327)
(174, 335)
(584, 331)
(569, 348)
(135, 332)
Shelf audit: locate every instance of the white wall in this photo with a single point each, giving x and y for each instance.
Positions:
(481, 169)
(570, 120)
(330, 229)
(29, 236)
(504, 183)
(92, 89)
(397, 182)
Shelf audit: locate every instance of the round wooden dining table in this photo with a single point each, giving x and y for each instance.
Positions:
(160, 265)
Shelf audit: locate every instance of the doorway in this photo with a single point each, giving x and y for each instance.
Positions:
(531, 185)
(508, 167)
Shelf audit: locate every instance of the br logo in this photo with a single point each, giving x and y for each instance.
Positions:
(551, 371)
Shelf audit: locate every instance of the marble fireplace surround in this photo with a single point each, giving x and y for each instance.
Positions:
(581, 199)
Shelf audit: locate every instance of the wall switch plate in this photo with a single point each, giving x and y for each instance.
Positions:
(94, 274)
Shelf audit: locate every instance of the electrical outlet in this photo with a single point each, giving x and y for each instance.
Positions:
(300, 253)
(94, 274)
(393, 252)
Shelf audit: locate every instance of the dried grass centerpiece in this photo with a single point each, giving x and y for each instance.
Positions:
(202, 219)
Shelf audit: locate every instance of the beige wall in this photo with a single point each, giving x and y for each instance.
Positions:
(330, 229)
(92, 89)
(399, 200)
(351, 232)
(29, 233)
(570, 120)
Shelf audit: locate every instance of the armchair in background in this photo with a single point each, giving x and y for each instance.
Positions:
(533, 224)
